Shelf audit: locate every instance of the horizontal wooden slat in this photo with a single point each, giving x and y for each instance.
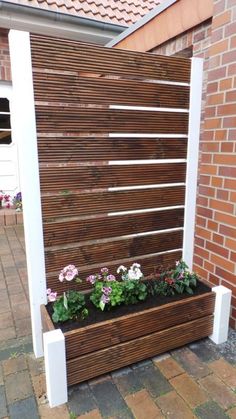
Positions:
(149, 266)
(71, 120)
(84, 204)
(87, 177)
(77, 149)
(111, 332)
(72, 89)
(66, 55)
(103, 361)
(57, 233)
(86, 254)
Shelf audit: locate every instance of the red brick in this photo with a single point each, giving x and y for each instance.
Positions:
(225, 218)
(215, 99)
(200, 221)
(221, 135)
(208, 169)
(209, 266)
(231, 70)
(230, 184)
(228, 109)
(228, 171)
(217, 74)
(212, 87)
(230, 29)
(231, 96)
(229, 122)
(228, 231)
(226, 264)
(225, 85)
(213, 279)
(198, 261)
(214, 123)
(222, 194)
(215, 248)
(212, 225)
(206, 191)
(231, 244)
(202, 201)
(205, 212)
(221, 20)
(205, 180)
(201, 252)
(210, 146)
(227, 278)
(227, 147)
(221, 206)
(229, 57)
(219, 47)
(94, 414)
(217, 238)
(201, 232)
(217, 181)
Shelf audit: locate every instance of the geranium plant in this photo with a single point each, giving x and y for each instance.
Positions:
(5, 200)
(71, 305)
(175, 281)
(17, 201)
(108, 292)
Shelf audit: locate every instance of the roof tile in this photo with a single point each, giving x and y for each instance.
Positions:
(121, 12)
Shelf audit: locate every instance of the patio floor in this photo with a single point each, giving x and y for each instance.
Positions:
(198, 380)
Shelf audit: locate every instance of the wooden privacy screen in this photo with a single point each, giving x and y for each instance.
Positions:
(112, 155)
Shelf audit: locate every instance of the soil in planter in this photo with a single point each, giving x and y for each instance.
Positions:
(97, 316)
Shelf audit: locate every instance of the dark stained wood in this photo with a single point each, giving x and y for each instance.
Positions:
(73, 119)
(102, 252)
(77, 57)
(123, 329)
(46, 319)
(85, 204)
(72, 89)
(65, 232)
(79, 149)
(149, 268)
(117, 356)
(69, 178)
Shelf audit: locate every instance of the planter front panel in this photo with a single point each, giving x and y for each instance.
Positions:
(100, 362)
(122, 329)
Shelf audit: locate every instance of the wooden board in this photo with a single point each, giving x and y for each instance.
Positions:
(102, 252)
(69, 149)
(86, 204)
(70, 178)
(72, 89)
(118, 356)
(72, 119)
(80, 58)
(122, 329)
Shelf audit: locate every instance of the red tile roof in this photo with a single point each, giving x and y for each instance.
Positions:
(119, 12)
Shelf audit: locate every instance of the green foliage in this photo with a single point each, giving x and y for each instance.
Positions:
(134, 291)
(69, 306)
(114, 298)
(175, 281)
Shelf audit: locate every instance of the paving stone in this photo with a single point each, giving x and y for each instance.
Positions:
(205, 349)
(142, 364)
(227, 350)
(225, 371)
(100, 379)
(18, 298)
(3, 404)
(24, 409)
(21, 311)
(81, 400)
(109, 400)
(210, 410)
(94, 414)
(189, 390)
(169, 367)
(142, 406)
(46, 412)
(218, 391)
(173, 406)
(190, 362)
(232, 413)
(23, 327)
(128, 383)
(18, 386)
(36, 366)
(39, 385)
(12, 365)
(6, 320)
(7, 334)
(152, 379)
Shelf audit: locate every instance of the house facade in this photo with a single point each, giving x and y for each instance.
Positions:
(89, 21)
(206, 29)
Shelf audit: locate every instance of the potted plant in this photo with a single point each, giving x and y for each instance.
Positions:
(125, 320)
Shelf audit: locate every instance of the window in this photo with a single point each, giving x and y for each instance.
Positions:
(5, 123)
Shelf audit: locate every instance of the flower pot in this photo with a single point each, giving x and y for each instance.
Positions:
(112, 344)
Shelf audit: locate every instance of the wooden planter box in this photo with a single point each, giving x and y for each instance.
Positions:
(109, 345)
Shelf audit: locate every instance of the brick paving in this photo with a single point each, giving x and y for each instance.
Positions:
(196, 381)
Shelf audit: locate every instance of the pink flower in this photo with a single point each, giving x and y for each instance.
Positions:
(68, 273)
(106, 290)
(91, 279)
(105, 299)
(52, 296)
(110, 278)
(104, 270)
(69, 276)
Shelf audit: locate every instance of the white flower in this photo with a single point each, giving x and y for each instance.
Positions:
(135, 265)
(121, 268)
(134, 274)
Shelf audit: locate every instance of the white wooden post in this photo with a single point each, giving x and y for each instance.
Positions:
(221, 314)
(24, 134)
(192, 159)
(55, 367)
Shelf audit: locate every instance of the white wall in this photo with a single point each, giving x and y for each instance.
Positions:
(9, 173)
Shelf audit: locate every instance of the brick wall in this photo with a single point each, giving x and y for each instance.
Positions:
(5, 69)
(215, 233)
(215, 247)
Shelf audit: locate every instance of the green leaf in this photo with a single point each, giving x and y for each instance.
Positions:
(102, 305)
(65, 301)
